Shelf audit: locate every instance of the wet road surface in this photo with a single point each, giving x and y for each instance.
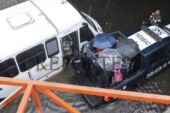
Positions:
(113, 15)
(123, 15)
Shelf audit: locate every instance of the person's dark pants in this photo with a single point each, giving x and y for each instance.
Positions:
(100, 81)
(124, 73)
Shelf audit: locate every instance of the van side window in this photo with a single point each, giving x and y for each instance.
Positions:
(8, 68)
(31, 57)
(52, 47)
(85, 34)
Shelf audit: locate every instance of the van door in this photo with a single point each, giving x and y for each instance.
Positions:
(85, 35)
(55, 60)
(70, 47)
(52, 63)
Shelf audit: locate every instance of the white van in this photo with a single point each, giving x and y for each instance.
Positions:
(35, 37)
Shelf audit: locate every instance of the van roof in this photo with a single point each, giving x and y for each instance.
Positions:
(30, 22)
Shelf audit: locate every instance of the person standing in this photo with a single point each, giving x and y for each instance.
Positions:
(125, 67)
(155, 18)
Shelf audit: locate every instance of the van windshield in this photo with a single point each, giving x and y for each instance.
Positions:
(89, 21)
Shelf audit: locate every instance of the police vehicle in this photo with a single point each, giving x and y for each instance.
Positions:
(148, 52)
(39, 37)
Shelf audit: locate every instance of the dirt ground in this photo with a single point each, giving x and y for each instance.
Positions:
(113, 15)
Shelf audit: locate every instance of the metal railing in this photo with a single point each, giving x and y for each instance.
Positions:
(31, 88)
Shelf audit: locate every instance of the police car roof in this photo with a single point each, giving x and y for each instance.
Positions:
(144, 40)
(32, 21)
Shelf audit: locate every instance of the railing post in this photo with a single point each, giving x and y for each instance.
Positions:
(13, 96)
(36, 99)
(24, 101)
(58, 100)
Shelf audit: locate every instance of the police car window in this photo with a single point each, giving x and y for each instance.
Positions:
(30, 58)
(135, 64)
(85, 34)
(159, 54)
(52, 47)
(8, 68)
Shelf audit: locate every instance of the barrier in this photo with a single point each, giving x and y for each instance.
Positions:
(31, 88)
